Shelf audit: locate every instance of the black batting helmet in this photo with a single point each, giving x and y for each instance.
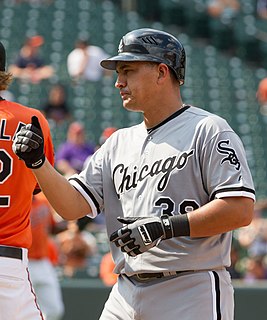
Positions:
(2, 57)
(150, 45)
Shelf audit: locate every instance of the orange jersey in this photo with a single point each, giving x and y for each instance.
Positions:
(42, 222)
(17, 182)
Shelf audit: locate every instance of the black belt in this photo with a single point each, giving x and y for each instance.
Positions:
(11, 252)
(151, 276)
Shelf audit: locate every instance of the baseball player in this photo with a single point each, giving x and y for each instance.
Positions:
(172, 188)
(17, 185)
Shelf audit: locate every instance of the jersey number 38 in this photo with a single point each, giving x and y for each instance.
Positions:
(167, 206)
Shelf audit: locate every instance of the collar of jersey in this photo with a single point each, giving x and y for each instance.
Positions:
(174, 115)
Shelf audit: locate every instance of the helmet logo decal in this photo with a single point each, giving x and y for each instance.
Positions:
(149, 39)
(120, 49)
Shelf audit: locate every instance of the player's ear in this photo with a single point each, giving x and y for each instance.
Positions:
(163, 71)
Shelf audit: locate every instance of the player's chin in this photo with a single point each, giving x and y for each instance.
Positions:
(130, 105)
(126, 100)
(127, 105)
(131, 108)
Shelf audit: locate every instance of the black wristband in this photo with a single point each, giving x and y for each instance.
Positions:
(180, 225)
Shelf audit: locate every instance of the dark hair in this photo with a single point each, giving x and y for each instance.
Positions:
(5, 80)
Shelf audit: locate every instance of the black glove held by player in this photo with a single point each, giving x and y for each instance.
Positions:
(29, 144)
(141, 234)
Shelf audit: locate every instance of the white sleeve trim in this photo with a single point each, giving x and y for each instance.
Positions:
(238, 193)
(94, 213)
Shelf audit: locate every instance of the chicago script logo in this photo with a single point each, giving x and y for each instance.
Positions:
(231, 155)
(126, 179)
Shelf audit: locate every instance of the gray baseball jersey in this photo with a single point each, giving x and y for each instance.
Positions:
(181, 164)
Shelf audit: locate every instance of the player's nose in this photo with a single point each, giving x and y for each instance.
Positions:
(120, 82)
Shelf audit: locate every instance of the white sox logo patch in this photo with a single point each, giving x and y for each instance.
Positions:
(230, 152)
(126, 180)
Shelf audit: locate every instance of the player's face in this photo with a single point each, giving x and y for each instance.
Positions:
(136, 82)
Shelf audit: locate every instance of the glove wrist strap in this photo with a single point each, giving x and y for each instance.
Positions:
(36, 164)
(167, 225)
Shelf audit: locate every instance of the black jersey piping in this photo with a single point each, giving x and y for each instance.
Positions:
(218, 295)
(88, 192)
(174, 115)
(231, 189)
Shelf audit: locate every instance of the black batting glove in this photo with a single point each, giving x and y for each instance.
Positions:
(29, 144)
(141, 234)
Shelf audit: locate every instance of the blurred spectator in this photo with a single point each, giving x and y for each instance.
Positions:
(56, 107)
(253, 238)
(42, 270)
(83, 62)
(29, 65)
(223, 9)
(262, 9)
(255, 269)
(71, 154)
(75, 249)
(262, 96)
(107, 132)
(222, 14)
(253, 245)
(99, 222)
(234, 269)
(106, 273)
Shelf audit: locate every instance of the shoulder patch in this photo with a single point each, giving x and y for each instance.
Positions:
(231, 157)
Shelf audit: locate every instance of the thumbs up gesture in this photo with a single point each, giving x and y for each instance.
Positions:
(28, 144)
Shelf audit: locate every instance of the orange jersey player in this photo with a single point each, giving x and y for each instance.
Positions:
(17, 185)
